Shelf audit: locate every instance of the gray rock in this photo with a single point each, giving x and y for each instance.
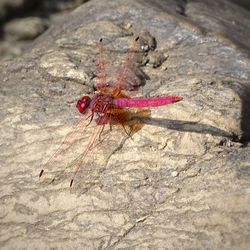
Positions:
(125, 195)
(7, 6)
(18, 34)
(24, 28)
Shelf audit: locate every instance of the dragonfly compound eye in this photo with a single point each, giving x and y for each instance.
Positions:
(83, 104)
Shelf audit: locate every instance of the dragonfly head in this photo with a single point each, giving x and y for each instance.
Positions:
(83, 104)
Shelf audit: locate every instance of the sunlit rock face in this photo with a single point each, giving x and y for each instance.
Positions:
(181, 181)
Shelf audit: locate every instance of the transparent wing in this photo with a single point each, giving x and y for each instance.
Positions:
(74, 134)
(122, 76)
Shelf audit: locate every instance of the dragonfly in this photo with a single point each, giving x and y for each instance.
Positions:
(110, 105)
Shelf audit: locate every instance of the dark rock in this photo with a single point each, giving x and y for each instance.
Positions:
(24, 28)
(8, 7)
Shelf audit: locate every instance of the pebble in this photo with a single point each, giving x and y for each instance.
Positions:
(174, 174)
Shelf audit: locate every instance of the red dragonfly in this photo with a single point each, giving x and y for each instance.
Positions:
(110, 105)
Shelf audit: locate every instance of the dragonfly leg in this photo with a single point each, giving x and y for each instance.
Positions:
(128, 133)
(104, 122)
(110, 126)
(91, 118)
(99, 137)
(114, 118)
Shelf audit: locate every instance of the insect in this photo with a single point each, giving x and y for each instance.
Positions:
(110, 105)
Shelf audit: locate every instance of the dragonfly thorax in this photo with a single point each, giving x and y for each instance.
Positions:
(101, 103)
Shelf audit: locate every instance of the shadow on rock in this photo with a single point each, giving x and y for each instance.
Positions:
(243, 90)
(186, 126)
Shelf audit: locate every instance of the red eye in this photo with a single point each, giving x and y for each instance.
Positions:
(83, 104)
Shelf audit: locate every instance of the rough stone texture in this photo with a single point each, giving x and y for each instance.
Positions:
(10, 8)
(18, 34)
(24, 28)
(23, 20)
(181, 182)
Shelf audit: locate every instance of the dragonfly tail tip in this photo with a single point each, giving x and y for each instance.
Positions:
(178, 98)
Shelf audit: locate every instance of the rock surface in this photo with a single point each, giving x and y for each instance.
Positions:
(24, 28)
(181, 182)
(22, 21)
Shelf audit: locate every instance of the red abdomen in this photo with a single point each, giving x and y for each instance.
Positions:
(146, 102)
